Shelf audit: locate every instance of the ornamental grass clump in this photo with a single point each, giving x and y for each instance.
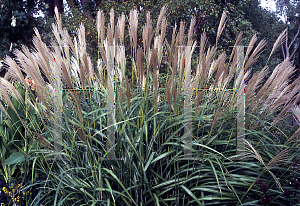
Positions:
(99, 147)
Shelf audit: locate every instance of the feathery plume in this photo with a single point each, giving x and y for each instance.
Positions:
(220, 67)
(100, 26)
(58, 19)
(15, 69)
(163, 30)
(6, 97)
(191, 30)
(68, 40)
(256, 53)
(81, 37)
(149, 31)
(296, 111)
(112, 21)
(278, 42)
(133, 21)
(221, 25)
(160, 17)
(56, 34)
(158, 46)
(217, 116)
(250, 47)
(254, 83)
(172, 47)
(121, 26)
(181, 33)
(237, 42)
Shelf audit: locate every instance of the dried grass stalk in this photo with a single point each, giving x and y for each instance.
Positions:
(11, 90)
(144, 35)
(68, 40)
(254, 83)
(140, 69)
(81, 37)
(254, 56)
(103, 55)
(217, 116)
(56, 34)
(121, 62)
(121, 28)
(181, 33)
(42, 54)
(110, 36)
(155, 76)
(274, 80)
(121, 93)
(296, 111)
(116, 42)
(6, 97)
(278, 42)
(171, 52)
(112, 21)
(16, 72)
(199, 98)
(182, 59)
(100, 71)
(66, 75)
(174, 92)
(202, 63)
(160, 17)
(163, 30)
(100, 26)
(232, 68)
(191, 31)
(221, 25)
(220, 63)
(250, 47)
(151, 61)
(133, 22)
(237, 42)
(209, 57)
(158, 46)
(168, 93)
(281, 157)
(147, 34)
(4, 110)
(58, 19)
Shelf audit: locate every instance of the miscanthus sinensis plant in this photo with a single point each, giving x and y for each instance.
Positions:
(80, 107)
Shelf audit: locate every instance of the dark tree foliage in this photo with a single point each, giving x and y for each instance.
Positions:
(290, 9)
(17, 20)
(207, 13)
(243, 16)
(268, 27)
(51, 4)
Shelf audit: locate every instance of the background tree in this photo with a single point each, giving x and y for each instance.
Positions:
(17, 22)
(245, 16)
(267, 26)
(290, 9)
(207, 13)
(18, 18)
(51, 4)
